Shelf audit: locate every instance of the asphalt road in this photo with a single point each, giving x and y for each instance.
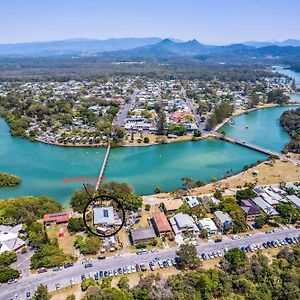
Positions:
(64, 276)
(120, 119)
(201, 125)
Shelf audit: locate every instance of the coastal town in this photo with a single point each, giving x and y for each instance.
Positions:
(256, 218)
(83, 244)
(150, 150)
(134, 110)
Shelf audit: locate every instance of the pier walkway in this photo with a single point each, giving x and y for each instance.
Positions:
(100, 177)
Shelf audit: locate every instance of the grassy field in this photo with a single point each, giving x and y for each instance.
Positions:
(65, 243)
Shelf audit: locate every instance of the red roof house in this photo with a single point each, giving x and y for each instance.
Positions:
(56, 218)
(161, 223)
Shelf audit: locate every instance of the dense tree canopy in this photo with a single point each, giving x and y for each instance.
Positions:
(188, 258)
(277, 96)
(26, 209)
(122, 191)
(221, 112)
(290, 120)
(6, 272)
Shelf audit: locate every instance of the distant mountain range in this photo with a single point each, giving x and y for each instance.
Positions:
(168, 48)
(74, 46)
(132, 48)
(289, 42)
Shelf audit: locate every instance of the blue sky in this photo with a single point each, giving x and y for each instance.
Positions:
(209, 21)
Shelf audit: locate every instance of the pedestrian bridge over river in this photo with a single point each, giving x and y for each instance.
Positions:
(254, 147)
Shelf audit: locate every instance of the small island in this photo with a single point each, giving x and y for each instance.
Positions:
(8, 180)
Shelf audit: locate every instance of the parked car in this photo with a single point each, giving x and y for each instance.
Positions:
(101, 257)
(68, 265)
(161, 265)
(41, 270)
(165, 264)
(143, 267)
(133, 269)
(151, 265)
(203, 255)
(137, 267)
(82, 277)
(28, 296)
(88, 265)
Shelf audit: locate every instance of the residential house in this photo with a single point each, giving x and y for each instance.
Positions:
(192, 201)
(161, 224)
(56, 218)
(182, 222)
(295, 200)
(264, 206)
(250, 209)
(171, 205)
(209, 225)
(222, 220)
(9, 238)
(104, 216)
(142, 235)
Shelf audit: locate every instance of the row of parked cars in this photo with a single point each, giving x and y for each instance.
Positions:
(134, 268)
(271, 244)
(252, 247)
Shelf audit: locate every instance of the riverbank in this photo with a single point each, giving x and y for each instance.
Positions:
(270, 172)
(247, 111)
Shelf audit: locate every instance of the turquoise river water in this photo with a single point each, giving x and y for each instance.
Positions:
(44, 169)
